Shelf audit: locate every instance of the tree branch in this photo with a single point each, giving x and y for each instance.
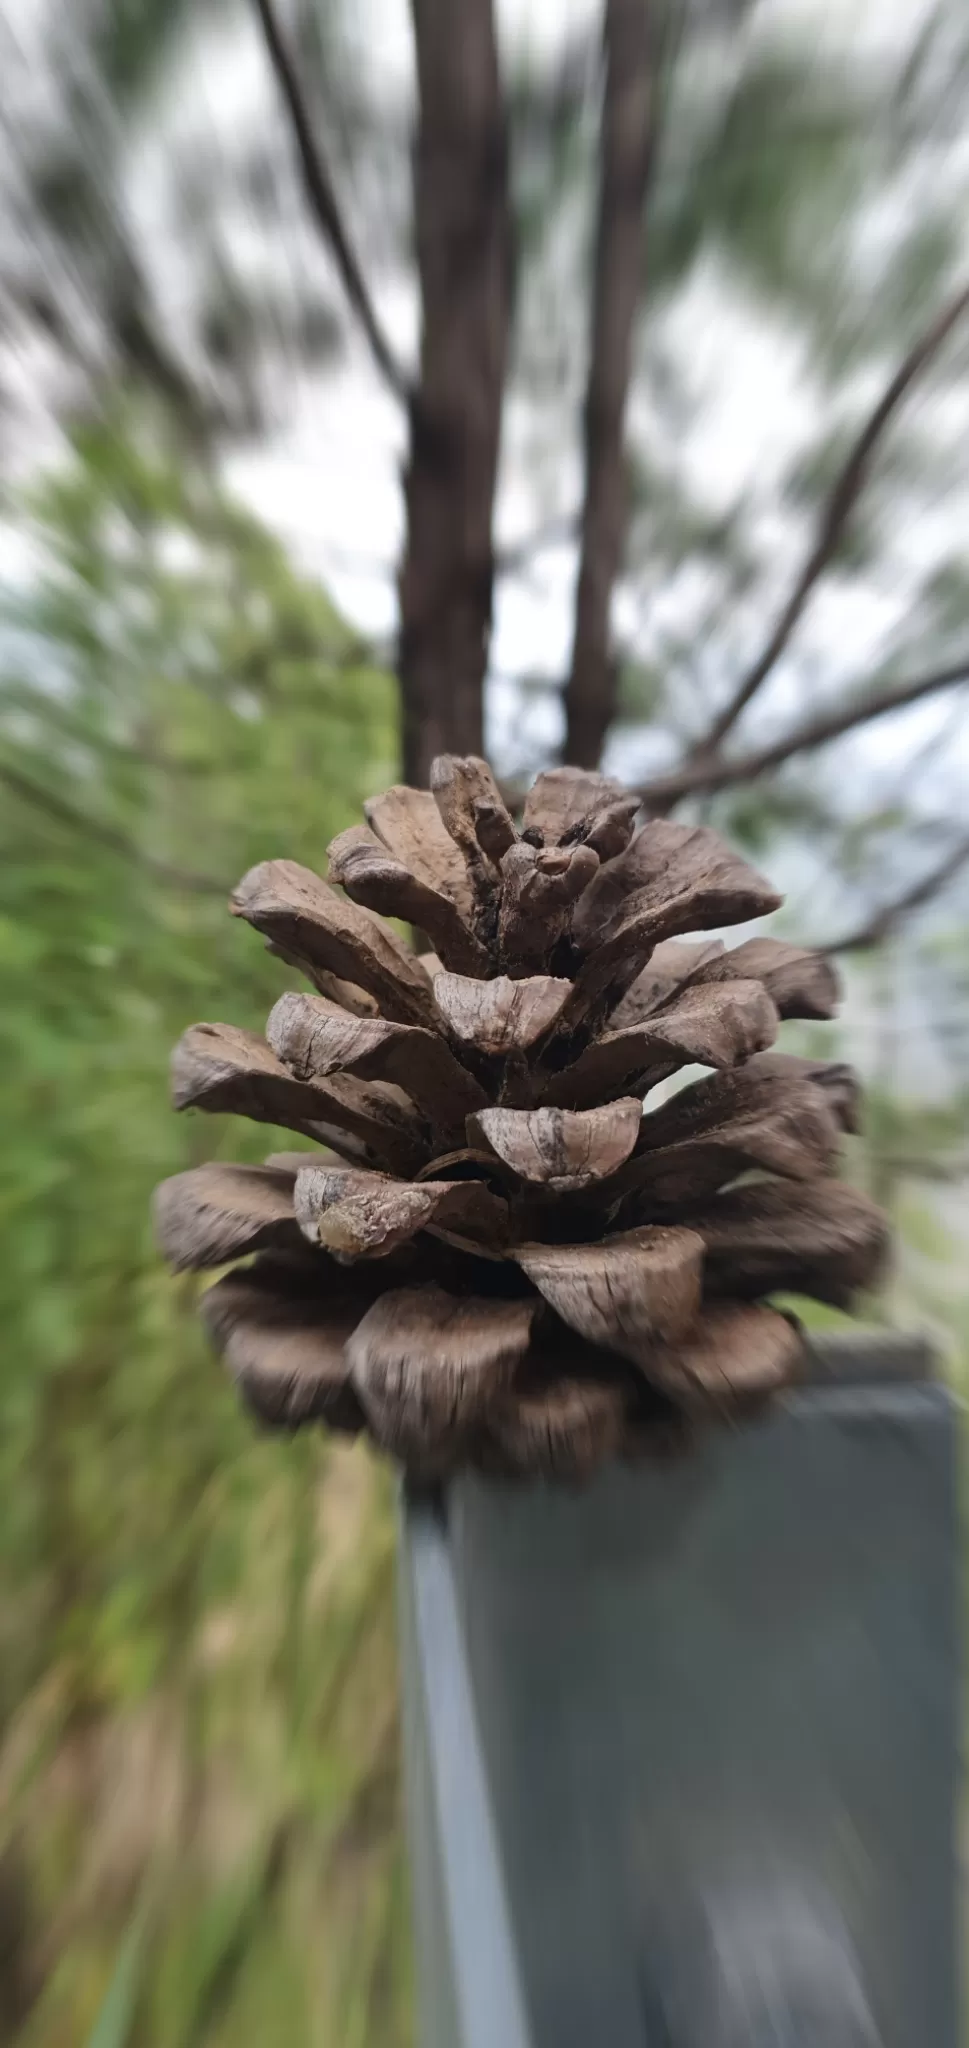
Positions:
(321, 193)
(885, 922)
(714, 774)
(835, 514)
(943, 1170)
(628, 135)
(108, 836)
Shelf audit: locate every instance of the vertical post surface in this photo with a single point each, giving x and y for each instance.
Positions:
(715, 1714)
(468, 1973)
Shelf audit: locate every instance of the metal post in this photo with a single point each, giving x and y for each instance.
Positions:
(682, 1745)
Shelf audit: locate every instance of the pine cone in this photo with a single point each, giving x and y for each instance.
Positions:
(509, 1261)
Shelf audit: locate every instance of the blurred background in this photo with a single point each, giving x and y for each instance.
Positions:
(344, 345)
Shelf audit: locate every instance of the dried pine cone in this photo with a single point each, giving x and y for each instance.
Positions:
(508, 1261)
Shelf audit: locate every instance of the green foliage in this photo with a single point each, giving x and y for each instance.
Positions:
(772, 184)
(115, 2022)
(196, 1645)
(640, 692)
(756, 815)
(133, 40)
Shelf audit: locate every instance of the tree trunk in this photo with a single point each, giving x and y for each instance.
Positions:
(626, 148)
(463, 253)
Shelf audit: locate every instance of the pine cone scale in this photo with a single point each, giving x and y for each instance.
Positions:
(426, 1367)
(371, 877)
(558, 1148)
(286, 1350)
(630, 1293)
(360, 1215)
(215, 1213)
(710, 1027)
(299, 912)
(408, 823)
(316, 1040)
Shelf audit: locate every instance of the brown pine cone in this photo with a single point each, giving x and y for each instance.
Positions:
(500, 1256)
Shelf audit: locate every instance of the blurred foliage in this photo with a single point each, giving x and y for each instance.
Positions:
(771, 179)
(197, 1696)
(199, 1836)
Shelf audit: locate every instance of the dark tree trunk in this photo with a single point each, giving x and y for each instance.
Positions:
(463, 253)
(628, 133)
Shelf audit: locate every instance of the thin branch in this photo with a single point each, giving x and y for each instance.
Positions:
(835, 514)
(885, 922)
(627, 147)
(714, 774)
(108, 836)
(321, 193)
(947, 1171)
